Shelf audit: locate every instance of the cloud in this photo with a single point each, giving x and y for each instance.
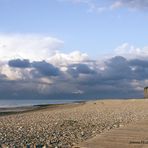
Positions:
(36, 48)
(18, 63)
(84, 69)
(41, 68)
(131, 52)
(120, 77)
(64, 59)
(132, 4)
(76, 69)
(97, 6)
(71, 75)
(139, 63)
(28, 46)
(117, 68)
(46, 69)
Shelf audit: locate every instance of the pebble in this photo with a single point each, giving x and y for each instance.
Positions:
(65, 127)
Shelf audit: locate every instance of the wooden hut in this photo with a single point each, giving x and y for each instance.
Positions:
(146, 92)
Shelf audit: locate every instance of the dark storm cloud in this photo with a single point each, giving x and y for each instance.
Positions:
(139, 63)
(76, 69)
(84, 69)
(46, 69)
(41, 68)
(115, 80)
(140, 69)
(20, 89)
(117, 68)
(18, 63)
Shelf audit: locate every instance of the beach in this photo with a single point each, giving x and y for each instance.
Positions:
(67, 125)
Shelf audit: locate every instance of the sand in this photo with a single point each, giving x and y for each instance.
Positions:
(133, 135)
(64, 126)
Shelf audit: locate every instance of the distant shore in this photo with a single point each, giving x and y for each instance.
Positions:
(15, 103)
(15, 110)
(66, 125)
(23, 109)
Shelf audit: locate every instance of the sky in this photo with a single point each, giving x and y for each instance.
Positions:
(73, 49)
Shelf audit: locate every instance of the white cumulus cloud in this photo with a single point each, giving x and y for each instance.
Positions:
(130, 51)
(63, 59)
(33, 47)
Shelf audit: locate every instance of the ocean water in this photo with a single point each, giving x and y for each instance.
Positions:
(19, 103)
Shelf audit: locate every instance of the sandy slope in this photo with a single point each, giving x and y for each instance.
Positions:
(134, 135)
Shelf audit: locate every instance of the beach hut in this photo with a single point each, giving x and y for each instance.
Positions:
(146, 92)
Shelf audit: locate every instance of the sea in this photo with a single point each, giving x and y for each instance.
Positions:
(21, 103)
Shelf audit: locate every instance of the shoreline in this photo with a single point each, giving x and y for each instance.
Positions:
(24, 109)
(12, 103)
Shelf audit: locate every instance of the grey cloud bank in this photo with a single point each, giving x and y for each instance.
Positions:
(119, 78)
